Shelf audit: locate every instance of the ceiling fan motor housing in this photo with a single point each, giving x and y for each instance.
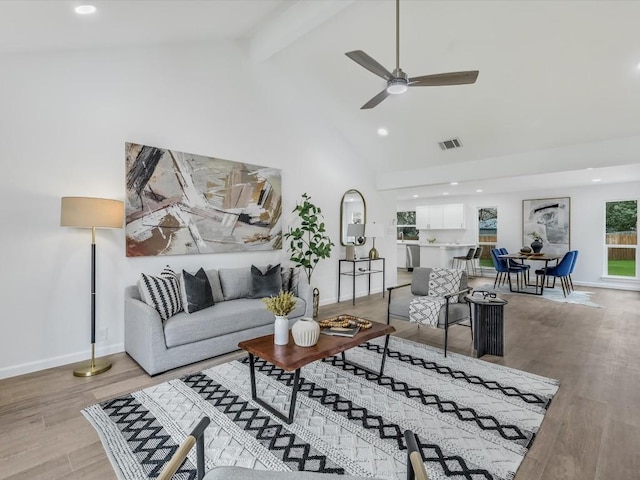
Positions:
(399, 83)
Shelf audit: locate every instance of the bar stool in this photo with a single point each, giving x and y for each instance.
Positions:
(476, 261)
(468, 260)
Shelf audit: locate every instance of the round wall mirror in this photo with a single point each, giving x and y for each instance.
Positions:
(353, 216)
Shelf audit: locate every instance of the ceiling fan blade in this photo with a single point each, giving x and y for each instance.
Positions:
(375, 100)
(369, 63)
(451, 78)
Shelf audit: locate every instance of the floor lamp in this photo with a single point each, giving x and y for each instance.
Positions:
(85, 212)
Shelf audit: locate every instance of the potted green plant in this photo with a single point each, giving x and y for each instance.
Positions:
(308, 241)
(281, 305)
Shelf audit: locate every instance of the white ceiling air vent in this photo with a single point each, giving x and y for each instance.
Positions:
(449, 144)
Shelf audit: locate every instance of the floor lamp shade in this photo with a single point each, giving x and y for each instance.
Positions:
(88, 212)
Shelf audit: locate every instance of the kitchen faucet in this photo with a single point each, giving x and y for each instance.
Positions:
(402, 236)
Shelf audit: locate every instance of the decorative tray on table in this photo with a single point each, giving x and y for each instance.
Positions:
(343, 325)
(536, 254)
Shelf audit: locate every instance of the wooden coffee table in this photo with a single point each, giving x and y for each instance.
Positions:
(291, 357)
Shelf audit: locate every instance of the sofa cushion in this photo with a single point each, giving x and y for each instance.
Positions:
(216, 288)
(236, 282)
(265, 283)
(196, 291)
(221, 319)
(162, 292)
(290, 279)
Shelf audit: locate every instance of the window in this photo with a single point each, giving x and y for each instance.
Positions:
(487, 233)
(406, 226)
(621, 241)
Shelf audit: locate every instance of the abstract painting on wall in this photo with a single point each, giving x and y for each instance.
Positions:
(182, 203)
(549, 218)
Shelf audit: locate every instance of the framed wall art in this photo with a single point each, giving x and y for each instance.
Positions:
(183, 203)
(550, 220)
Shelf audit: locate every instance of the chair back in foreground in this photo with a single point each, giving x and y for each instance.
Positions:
(196, 437)
(415, 460)
(415, 463)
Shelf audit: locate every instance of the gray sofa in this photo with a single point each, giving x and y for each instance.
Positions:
(187, 338)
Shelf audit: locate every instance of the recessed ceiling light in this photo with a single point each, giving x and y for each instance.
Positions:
(596, 180)
(479, 190)
(453, 183)
(638, 66)
(415, 196)
(589, 168)
(445, 193)
(383, 132)
(85, 9)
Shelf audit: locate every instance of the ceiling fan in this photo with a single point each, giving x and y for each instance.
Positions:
(398, 81)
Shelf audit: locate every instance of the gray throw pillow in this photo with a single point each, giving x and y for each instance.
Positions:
(265, 284)
(236, 282)
(196, 291)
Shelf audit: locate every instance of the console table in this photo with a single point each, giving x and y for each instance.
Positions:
(359, 267)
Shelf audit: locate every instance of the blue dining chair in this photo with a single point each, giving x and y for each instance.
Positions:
(573, 265)
(503, 269)
(513, 264)
(561, 271)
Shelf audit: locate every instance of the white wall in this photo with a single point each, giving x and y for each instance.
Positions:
(64, 120)
(587, 224)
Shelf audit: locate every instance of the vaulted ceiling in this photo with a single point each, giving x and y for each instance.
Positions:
(558, 90)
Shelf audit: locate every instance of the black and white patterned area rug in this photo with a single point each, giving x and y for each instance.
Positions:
(473, 419)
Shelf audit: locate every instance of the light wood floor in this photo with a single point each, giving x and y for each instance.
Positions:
(591, 431)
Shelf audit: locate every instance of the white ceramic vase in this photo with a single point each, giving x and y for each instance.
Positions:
(306, 332)
(281, 330)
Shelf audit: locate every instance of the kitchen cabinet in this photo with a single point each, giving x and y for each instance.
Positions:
(422, 217)
(440, 217)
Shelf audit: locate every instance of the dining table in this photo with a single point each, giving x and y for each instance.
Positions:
(538, 257)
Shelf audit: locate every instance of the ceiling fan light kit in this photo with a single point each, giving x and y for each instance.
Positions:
(398, 82)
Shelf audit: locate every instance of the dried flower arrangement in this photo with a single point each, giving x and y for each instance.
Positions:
(535, 236)
(282, 304)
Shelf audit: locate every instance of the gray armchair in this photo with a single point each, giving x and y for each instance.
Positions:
(452, 313)
(415, 463)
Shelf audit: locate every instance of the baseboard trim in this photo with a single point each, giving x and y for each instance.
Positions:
(61, 360)
(612, 286)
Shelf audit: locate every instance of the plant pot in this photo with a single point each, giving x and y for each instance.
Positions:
(281, 330)
(536, 246)
(305, 332)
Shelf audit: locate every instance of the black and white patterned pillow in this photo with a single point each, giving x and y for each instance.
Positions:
(162, 292)
(443, 281)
